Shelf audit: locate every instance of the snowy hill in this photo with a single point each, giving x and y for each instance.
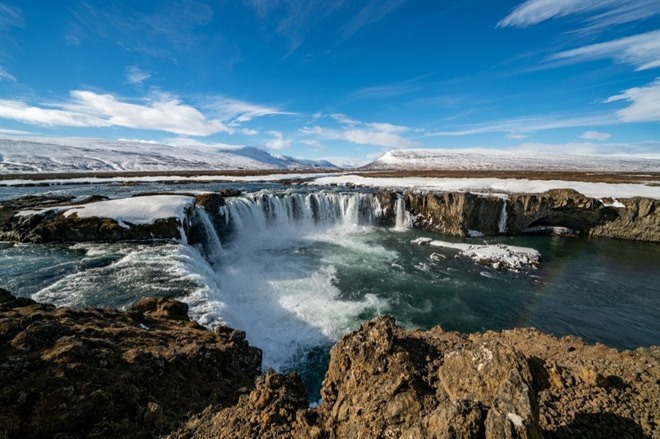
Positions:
(81, 155)
(483, 159)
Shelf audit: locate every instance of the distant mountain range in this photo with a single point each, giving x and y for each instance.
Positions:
(488, 159)
(82, 155)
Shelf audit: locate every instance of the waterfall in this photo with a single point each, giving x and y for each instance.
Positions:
(403, 219)
(291, 212)
(503, 216)
(212, 245)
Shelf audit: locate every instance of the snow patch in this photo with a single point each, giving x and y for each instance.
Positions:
(498, 256)
(516, 419)
(136, 210)
(495, 186)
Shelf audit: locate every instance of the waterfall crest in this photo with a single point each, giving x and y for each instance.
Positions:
(299, 211)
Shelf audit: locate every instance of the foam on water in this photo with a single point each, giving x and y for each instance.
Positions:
(118, 274)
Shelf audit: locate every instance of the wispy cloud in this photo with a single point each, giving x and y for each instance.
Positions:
(5, 75)
(523, 125)
(361, 133)
(10, 17)
(234, 111)
(371, 13)
(135, 75)
(166, 31)
(279, 142)
(516, 136)
(293, 20)
(390, 90)
(89, 109)
(8, 132)
(595, 14)
(639, 148)
(641, 51)
(644, 103)
(595, 135)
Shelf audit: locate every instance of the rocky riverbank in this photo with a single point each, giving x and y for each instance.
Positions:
(464, 213)
(174, 216)
(149, 371)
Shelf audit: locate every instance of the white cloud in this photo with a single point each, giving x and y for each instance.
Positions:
(279, 142)
(248, 132)
(595, 135)
(235, 112)
(135, 75)
(17, 110)
(641, 51)
(380, 138)
(89, 109)
(516, 136)
(344, 120)
(378, 134)
(597, 13)
(645, 103)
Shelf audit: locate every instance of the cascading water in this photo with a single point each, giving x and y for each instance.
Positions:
(503, 217)
(403, 219)
(295, 212)
(211, 243)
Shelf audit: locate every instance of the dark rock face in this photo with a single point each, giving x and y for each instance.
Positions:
(561, 207)
(107, 373)
(640, 220)
(387, 201)
(454, 213)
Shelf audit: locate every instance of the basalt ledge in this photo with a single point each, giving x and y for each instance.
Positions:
(151, 372)
(564, 211)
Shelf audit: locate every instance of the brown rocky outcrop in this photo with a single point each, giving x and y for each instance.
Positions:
(454, 213)
(639, 220)
(105, 373)
(149, 371)
(384, 381)
(557, 207)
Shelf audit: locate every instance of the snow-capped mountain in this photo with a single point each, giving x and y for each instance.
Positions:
(487, 159)
(81, 155)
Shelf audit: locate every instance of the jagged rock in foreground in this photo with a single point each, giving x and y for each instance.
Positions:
(108, 373)
(384, 381)
(147, 371)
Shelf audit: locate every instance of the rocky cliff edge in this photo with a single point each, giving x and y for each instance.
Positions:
(149, 371)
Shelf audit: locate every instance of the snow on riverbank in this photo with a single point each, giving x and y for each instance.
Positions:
(496, 185)
(497, 256)
(136, 210)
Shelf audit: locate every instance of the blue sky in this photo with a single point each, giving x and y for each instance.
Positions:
(342, 80)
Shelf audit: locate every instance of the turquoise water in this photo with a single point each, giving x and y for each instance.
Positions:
(296, 288)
